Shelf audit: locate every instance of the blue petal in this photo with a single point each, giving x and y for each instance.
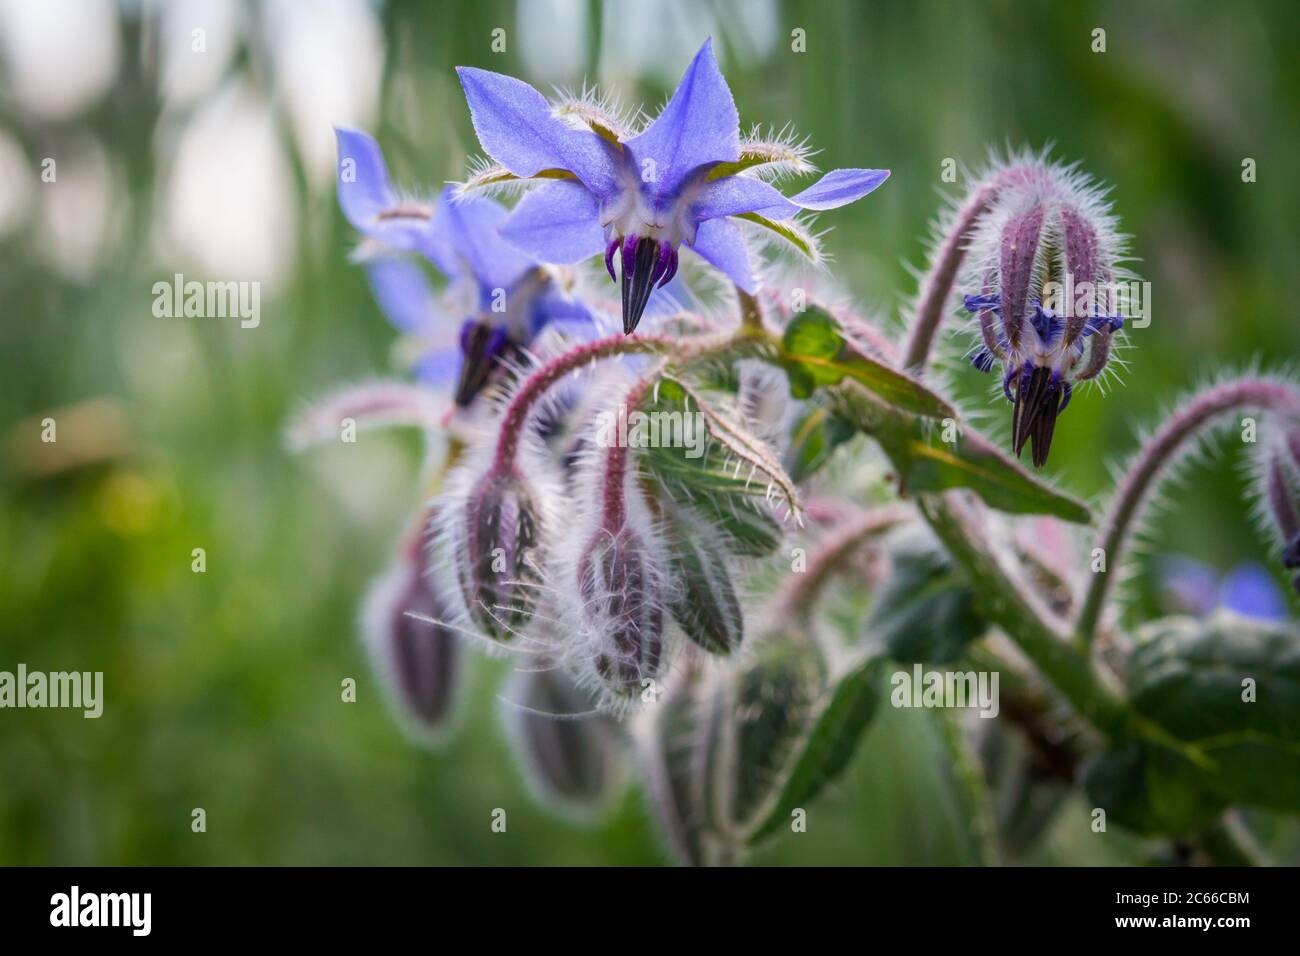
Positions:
(983, 303)
(553, 307)
(403, 292)
(438, 366)
(364, 189)
(698, 127)
(1047, 325)
(1190, 585)
(732, 195)
(721, 244)
(514, 124)
(836, 188)
(1249, 590)
(365, 193)
(471, 227)
(558, 222)
(840, 187)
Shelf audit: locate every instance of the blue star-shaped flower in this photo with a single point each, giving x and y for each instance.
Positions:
(639, 197)
(503, 297)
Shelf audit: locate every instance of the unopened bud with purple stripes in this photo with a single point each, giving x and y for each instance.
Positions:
(1043, 284)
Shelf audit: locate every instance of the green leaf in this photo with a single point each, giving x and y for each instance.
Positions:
(1228, 686)
(729, 484)
(815, 437)
(926, 613)
(818, 354)
(926, 463)
(767, 707)
(746, 531)
(704, 604)
(1150, 789)
(840, 719)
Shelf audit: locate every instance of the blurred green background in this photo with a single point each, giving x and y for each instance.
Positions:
(223, 688)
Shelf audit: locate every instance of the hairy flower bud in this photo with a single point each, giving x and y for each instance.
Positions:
(672, 740)
(707, 609)
(495, 539)
(414, 652)
(620, 583)
(1043, 283)
(570, 752)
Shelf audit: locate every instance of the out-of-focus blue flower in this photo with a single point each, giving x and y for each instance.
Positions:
(501, 297)
(1192, 587)
(640, 196)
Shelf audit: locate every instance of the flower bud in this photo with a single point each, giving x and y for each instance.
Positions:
(621, 584)
(671, 754)
(757, 719)
(706, 607)
(496, 550)
(1044, 264)
(418, 659)
(571, 753)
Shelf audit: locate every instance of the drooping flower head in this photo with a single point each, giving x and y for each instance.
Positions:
(639, 197)
(501, 297)
(1046, 286)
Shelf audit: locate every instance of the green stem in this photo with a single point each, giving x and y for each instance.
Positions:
(974, 803)
(1015, 612)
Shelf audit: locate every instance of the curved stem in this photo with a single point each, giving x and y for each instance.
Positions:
(511, 426)
(613, 504)
(1147, 466)
(798, 597)
(938, 282)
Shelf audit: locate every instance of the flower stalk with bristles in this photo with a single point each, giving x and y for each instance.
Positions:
(1157, 455)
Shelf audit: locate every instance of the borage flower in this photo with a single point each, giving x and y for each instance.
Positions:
(502, 297)
(640, 197)
(1045, 264)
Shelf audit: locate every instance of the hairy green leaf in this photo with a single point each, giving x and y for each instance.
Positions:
(840, 718)
(815, 437)
(704, 604)
(926, 612)
(1230, 687)
(817, 354)
(927, 463)
(1150, 789)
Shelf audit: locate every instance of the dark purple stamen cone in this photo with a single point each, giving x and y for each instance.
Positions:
(640, 258)
(1033, 419)
(481, 347)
